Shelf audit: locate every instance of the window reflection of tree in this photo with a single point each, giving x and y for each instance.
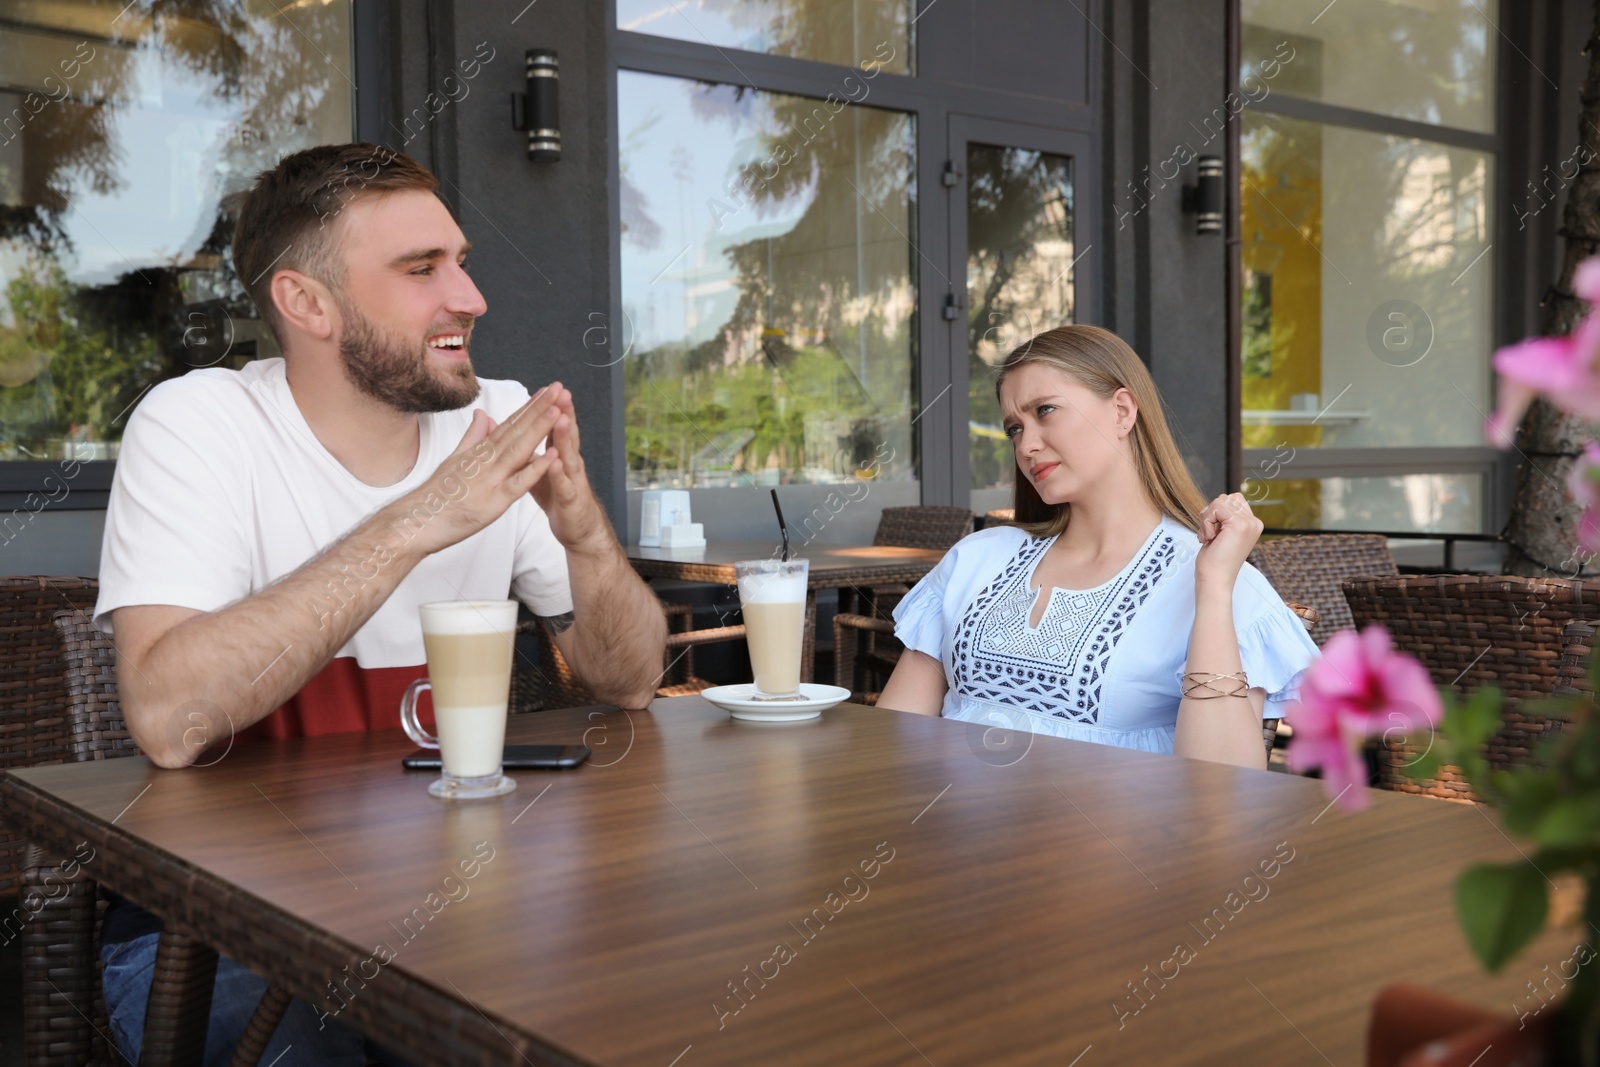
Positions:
(831, 31)
(1411, 215)
(1430, 63)
(1424, 206)
(809, 377)
(1019, 248)
(74, 357)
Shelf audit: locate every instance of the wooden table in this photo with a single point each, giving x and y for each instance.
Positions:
(868, 888)
(841, 567)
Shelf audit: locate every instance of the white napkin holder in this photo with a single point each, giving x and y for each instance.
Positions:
(659, 509)
(683, 535)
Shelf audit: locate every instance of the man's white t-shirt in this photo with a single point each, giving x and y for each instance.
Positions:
(221, 489)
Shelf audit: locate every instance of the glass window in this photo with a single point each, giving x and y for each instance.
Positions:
(1367, 287)
(1019, 283)
(872, 36)
(1368, 269)
(768, 286)
(1426, 60)
(1427, 503)
(121, 131)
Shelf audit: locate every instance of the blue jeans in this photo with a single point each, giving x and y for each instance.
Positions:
(301, 1037)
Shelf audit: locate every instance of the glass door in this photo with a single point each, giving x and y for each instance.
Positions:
(1021, 265)
(770, 312)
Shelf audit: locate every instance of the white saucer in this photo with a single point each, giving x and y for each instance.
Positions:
(738, 700)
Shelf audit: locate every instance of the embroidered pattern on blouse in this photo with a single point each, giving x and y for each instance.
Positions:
(1058, 668)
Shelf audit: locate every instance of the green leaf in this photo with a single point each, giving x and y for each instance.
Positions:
(1563, 708)
(1569, 821)
(1581, 860)
(1524, 799)
(1426, 766)
(1476, 771)
(1478, 719)
(1501, 908)
(1440, 747)
(1583, 761)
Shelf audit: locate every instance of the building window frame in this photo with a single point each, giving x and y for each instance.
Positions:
(939, 357)
(1507, 318)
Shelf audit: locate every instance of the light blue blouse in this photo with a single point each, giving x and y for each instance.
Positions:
(1104, 664)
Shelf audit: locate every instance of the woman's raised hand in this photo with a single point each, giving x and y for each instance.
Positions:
(1228, 531)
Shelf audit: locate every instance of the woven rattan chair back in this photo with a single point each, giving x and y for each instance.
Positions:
(1310, 570)
(931, 526)
(95, 727)
(62, 940)
(1577, 643)
(32, 712)
(1474, 630)
(922, 526)
(65, 1017)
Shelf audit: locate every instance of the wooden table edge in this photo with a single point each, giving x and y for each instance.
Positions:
(58, 828)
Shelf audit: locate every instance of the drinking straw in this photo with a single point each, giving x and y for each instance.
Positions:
(783, 527)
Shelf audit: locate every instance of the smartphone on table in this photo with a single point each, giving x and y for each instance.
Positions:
(517, 757)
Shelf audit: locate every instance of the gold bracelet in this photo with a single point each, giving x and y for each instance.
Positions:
(1199, 684)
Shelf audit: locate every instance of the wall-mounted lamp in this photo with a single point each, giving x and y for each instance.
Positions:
(1204, 198)
(538, 110)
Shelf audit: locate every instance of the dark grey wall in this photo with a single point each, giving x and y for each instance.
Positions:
(1164, 74)
(540, 231)
(1187, 345)
(1540, 91)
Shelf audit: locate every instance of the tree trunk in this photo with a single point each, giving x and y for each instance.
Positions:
(1542, 530)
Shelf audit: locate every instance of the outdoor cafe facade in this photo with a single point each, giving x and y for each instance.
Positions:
(781, 245)
(784, 244)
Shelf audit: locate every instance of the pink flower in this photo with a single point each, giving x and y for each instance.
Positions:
(1321, 740)
(1584, 484)
(1561, 369)
(1586, 281)
(1359, 688)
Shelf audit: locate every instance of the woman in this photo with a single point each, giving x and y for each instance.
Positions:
(1119, 609)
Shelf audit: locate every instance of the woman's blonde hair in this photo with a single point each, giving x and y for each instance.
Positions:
(1102, 362)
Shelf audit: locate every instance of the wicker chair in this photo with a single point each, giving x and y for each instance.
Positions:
(32, 715)
(917, 526)
(560, 687)
(853, 654)
(930, 526)
(63, 1006)
(922, 526)
(1309, 570)
(1473, 630)
(1572, 677)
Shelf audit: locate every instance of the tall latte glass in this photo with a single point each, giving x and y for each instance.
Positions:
(469, 645)
(772, 596)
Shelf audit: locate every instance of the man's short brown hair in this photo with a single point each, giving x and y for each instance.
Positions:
(286, 219)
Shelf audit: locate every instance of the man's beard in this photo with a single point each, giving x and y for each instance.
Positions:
(391, 372)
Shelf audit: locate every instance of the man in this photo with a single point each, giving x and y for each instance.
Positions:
(272, 530)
